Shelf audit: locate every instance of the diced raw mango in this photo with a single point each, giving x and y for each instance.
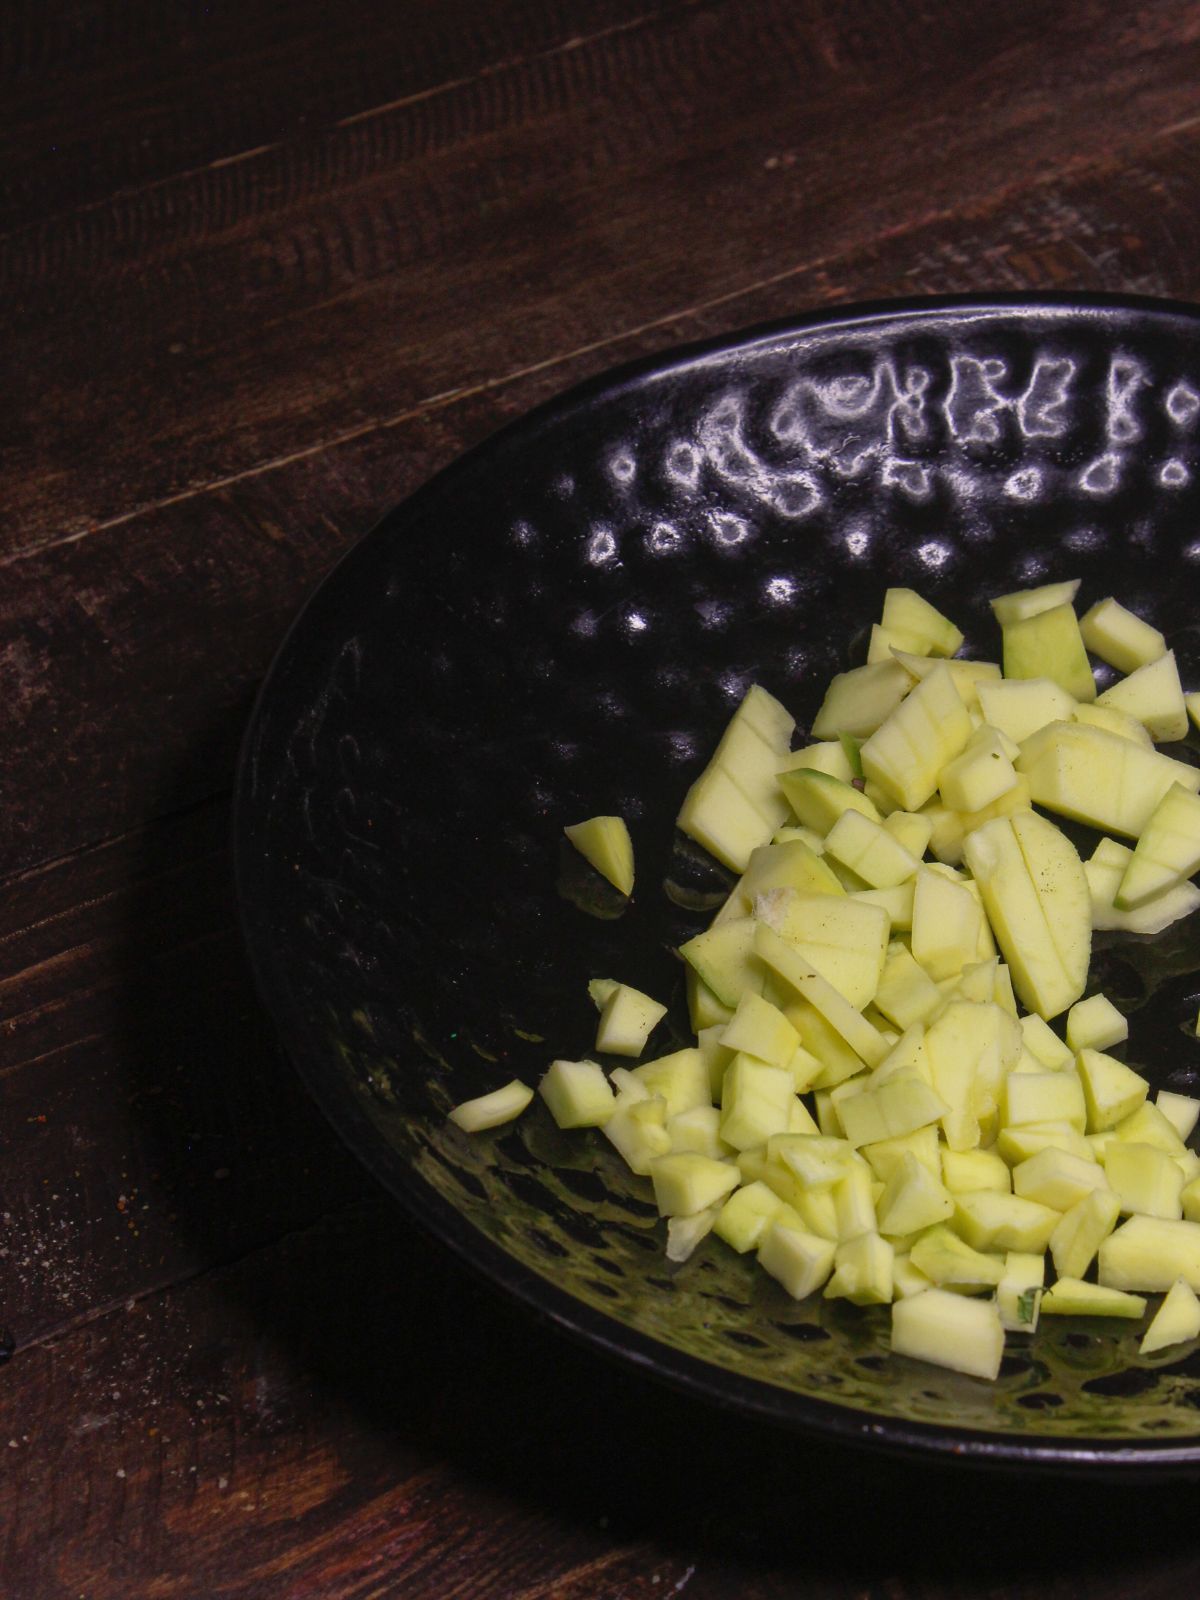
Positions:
(1175, 1322)
(1081, 1230)
(827, 755)
(599, 990)
(605, 842)
(885, 641)
(1167, 851)
(491, 1110)
(905, 611)
(1147, 1181)
(964, 1171)
(1019, 1292)
(1113, 721)
(817, 1160)
(1119, 637)
(858, 701)
(949, 1330)
(906, 754)
(794, 865)
(897, 903)
(1036, 896)
(1147, 1125)
(1154, 695)
(685, 1233)
(900, 1105)
(967, 675)
(578, 1094)
(991, 1221)
(1057, 1178)
(845, 939)
(819, 800)
(862, 1271)
(638, 1131)
(627, 1021)
(913, 1199)
(854, 1202)
(725, 959)
(800, 1261)
(685, 1183)
(1043, 1097)
(1105, 872)
(682, 1078)
(864, 1040)
(1182, 1111)
(1098, 778)
(697, 1129)
(1095, 1024)
(906, 993)
(946, 1258)
(718, 816)
(755, 1102)
(911, 828)
(704, 1009)
(746, 1215)
(1018, 707)
(887, 1154)
(1049, 645)
(1149, 1253)
(870, 850)
(1042, 1041)
(1024, 603)
(1019, 1143)
(761, 1030)
(1112, 1091)
(945, 924)
(1072, 1297)
(980, 775)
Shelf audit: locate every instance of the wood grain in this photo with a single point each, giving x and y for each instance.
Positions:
(318, 288)
(267, 268)
(349, 1414)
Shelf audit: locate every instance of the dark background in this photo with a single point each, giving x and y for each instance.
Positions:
(264, 268)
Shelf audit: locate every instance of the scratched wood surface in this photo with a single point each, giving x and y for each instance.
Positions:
(265, 267)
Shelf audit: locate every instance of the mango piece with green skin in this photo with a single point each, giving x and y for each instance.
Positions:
(605, 842)
(1049, 645)
(818, 800)
(1019, 1292)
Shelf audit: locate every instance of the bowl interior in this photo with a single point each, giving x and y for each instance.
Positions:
(558, 627)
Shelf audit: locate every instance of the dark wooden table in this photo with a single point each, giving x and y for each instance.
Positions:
(265, 267)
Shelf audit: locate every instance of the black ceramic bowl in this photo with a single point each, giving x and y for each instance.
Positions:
(559, 626)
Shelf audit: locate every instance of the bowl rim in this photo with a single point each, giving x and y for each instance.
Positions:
(719, 1386)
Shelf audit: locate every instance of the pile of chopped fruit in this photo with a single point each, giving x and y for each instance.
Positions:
(876, 1103)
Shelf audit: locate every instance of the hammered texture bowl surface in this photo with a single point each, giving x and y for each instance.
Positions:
(559, 626)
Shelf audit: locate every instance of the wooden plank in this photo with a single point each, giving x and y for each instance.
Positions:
(110, 698)
(119, 95)
(150, 1128)
(322, 287)
(349, 1414)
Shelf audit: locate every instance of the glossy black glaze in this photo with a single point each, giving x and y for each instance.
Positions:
(559, 626)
